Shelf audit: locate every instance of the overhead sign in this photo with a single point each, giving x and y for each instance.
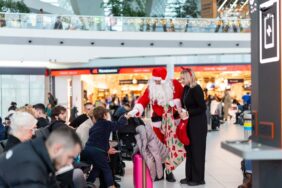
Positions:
(269, 31)
(128, 82)
(217, 68)
(235, 81)
(125, 82)
(136, 70)
(148, 70)
(105, 71)
(142, 81)
(69, 72)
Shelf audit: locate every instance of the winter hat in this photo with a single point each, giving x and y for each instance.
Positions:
(159, 73)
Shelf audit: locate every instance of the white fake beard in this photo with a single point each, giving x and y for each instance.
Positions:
(161, 93)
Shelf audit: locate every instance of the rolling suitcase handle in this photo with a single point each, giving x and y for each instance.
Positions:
(144, 184)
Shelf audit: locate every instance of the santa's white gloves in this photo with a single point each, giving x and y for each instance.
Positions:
(184, 114)
(171, 103)
(133, 113)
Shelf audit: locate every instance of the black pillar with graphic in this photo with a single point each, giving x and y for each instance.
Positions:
(266, 88)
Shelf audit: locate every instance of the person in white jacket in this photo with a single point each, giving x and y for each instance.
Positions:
(84, 122)
(83, 129)
(215, 110)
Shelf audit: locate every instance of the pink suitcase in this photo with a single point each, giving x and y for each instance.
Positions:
(141, 173)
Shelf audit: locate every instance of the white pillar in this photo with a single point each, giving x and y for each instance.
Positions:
(170, 70)
(77, 93)
(61, 89)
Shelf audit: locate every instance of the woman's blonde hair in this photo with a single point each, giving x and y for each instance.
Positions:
(29, 109)
(189, 75)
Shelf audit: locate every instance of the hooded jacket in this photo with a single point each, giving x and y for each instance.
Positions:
(151, 149)
(27, 165)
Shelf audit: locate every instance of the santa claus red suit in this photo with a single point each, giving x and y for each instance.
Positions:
(160, 92)
(163, 95)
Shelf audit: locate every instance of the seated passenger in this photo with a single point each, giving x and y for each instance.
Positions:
(97, 147)
(22, 128)
(83, 117)
(40, 115)
(33, 163)
(58, 119)
(84, 127)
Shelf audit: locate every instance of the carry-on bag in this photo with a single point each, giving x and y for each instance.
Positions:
(141, 173)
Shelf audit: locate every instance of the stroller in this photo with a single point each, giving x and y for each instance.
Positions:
(126, 140)
(125, 143)
(125, 136)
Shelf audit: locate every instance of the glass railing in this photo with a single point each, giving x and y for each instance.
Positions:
(123, 24)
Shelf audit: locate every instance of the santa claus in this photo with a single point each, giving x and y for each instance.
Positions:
(164, 96)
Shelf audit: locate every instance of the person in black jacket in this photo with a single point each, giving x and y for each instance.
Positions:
(97, 147)
(33, 164)
(58, 119)
(75, 123)
(194, 106)
(40, 115)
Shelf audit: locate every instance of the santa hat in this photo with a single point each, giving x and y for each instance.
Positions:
(159, 74)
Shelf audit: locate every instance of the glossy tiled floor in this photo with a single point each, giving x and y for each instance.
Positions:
(222, 167)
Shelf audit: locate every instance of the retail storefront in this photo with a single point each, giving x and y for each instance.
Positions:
(101, 83)
(236, 78)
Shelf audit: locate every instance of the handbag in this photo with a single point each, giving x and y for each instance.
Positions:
(181, 132)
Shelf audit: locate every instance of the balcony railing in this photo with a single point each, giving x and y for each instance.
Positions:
(123, 24)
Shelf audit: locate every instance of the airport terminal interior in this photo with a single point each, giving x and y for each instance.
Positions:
(140, 93)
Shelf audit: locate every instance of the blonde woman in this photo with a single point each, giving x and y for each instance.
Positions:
(195, 107)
